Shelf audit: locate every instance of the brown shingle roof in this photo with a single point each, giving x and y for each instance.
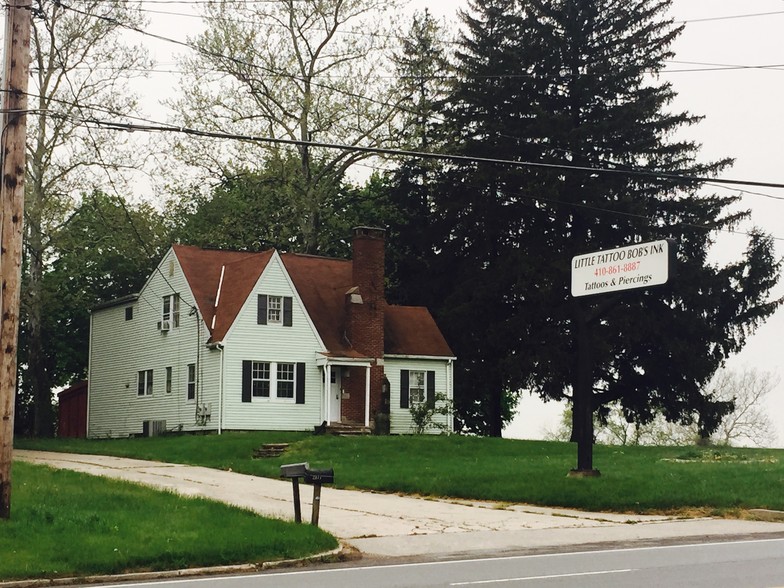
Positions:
(202, 269)
(321, 283)
(411, 330)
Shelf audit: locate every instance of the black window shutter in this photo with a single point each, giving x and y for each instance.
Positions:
(287, 318)
(246, 380)
(261, 318)
(430, 389)
(403, 388)
(300, 383)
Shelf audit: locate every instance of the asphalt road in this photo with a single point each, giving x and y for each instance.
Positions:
(746, 564)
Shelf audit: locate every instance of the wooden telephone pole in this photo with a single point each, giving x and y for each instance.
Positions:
(12, 145)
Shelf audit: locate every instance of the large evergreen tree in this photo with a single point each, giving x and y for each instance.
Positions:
(573, 83)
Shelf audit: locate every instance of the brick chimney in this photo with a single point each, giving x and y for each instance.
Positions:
(365, 317)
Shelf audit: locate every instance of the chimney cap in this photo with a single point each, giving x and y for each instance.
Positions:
(372, 232)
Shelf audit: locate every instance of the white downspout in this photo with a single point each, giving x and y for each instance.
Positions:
(367, 396)
(328, 391)
(89, 377)
(220, 392)
(450, 371)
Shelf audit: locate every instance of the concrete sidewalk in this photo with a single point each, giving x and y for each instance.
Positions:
(397, 526)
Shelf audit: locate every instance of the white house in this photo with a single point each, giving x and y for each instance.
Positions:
(228, 340)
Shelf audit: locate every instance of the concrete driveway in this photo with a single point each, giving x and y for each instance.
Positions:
(406, 526)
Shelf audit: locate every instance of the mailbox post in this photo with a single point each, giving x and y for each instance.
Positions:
(295, 471)
(317, 478)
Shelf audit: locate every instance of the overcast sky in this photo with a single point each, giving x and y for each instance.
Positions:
(729, 67)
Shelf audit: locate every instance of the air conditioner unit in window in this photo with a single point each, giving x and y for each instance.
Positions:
(164, 325)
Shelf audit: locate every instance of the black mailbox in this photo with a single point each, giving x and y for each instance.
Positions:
(294, 470)
(319, 476)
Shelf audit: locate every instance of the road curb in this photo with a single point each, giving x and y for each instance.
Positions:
(344, 552)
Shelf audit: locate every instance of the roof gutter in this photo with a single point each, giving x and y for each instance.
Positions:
(401, 356)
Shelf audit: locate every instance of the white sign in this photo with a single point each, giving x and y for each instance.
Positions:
(636, 266)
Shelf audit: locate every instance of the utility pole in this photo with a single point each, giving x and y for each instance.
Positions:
(12, 144)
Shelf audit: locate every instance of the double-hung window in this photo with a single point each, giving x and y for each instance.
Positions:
(275, 310)
(144, 383)
(170, 315)
(273, 381)
(191, 389)
(285, 381)
(260, 381)
(416, 387)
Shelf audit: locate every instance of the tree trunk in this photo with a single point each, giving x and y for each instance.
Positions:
(496, 424)
(43, 422)
(582, 401)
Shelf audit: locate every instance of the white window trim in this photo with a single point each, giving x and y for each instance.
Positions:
(149, 383)
(189, 382)
(412, 387)
(254, 379)
(172, 316)
(274, 309)
(293, 381)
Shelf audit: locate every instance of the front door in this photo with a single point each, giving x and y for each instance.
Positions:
(335, 395)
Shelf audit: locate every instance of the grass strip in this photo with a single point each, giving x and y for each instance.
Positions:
(634, 479)
(68, 524)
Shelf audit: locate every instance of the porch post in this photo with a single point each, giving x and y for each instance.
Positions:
(367, 396)
(327, 390)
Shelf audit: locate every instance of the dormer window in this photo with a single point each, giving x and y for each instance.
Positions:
(274, 310)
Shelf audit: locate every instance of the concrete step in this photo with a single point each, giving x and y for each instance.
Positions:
(343, 429)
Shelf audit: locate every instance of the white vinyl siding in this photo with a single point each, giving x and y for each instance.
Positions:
(400, 418)
(247, 340)
(120, 349)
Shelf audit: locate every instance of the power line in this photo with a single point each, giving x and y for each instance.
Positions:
(427, 155)
(730, 17)
(157, 127)
(720, 67)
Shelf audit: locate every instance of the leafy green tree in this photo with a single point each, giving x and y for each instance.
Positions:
(106, 249)
(573, 83)
(255, 210)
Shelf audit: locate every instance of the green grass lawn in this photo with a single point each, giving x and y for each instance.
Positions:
(69, 524)
(634, 479)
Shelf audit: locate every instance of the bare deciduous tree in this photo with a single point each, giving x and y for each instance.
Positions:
(80, 68)
(303, 71)
(748, 423)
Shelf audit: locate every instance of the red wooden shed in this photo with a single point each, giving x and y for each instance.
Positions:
(73, 411)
